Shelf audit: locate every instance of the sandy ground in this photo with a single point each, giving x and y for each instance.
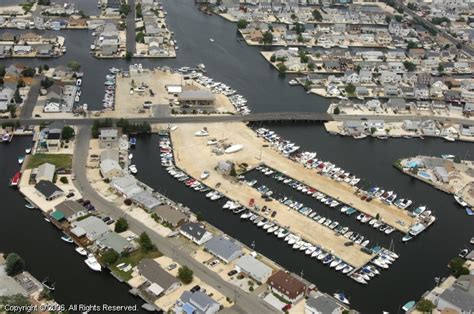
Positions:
(185, 145)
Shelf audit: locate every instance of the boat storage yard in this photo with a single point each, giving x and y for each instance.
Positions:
(307, 229)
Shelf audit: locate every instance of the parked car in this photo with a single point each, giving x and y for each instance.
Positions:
(172, 266)
(214, 263)
(232, 273)
(195, 288)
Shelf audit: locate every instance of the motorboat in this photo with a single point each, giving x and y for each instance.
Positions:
(28, 150)
(408, 306)
(130, 156)
(463, 253)
(66, 238)
(30, 206)
(448, 156)
(92, 262)
(201, 133)
(48, 284)
(234, 148)
(205, 174)
(460, 201)
(21, 159)
(293, 82)
(211, 40)
(340, 296)
(133, 169)
(82, 251)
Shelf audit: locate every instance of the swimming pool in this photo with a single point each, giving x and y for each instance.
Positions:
(424, 174)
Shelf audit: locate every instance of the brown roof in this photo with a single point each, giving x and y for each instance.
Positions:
(286, 284)
(7, 36)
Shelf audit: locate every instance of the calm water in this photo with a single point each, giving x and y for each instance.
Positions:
(242, 67)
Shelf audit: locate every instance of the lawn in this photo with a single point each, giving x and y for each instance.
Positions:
(59, 160)
(133, 259)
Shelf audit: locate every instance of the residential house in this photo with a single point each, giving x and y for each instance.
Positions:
(114, 241)
(48, 190)
(91, 227)
(53, 139)
(459, 297)
(146, 200)
(70, 210)
(286, 286)
(196, 302)
(389, 77)
(416, 53)
(411, 125)
(110, 168)
(351, 77)
(422, 91)
(397, 104)
(195, 232)
(171, 216)
(224, 248)
(253, 268)
(365, 77)
(45, 172)
(6, 98)
(158, 281)
(322, 304)
(126, 186)
(391, 91)
(108, 138)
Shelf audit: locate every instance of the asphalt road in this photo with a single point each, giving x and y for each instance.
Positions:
(131, 27)
(255, 117)
(245, 303)
(30, 103)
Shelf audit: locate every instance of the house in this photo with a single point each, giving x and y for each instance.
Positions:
(416, 53)
(224, 248)
(195, 232)
(362, 91)
(45, 172)
(70, 210)
(114, 241)
(286, 286)
(422, 91)
(389, 77)
(322, 304)
(196, 302)
(352, 126)
(146, 200)
(397, 104)
(110, 168)
(441, 174)
(197, 98)
(365, 77)
(108, 138)
(256, 36)
(459, 297)
(6, 98)
(351, 77)
(391, 90)
(127, 186)
(411, 125)
(48, 190)
(225, 167)
(253, 268)
(158, 281)
(91, 227)
(171, 216)
(53, 139)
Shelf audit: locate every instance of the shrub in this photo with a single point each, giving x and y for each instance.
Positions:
(64, 180)
(185, 274)
(121, 225)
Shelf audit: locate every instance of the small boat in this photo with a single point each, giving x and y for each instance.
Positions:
(293, 82)
(472, 240)
(30, 206)
(28, 150)
(48, 284)
(340, 296)
(234, 148)
(130, 157)
(448, 156)
(201, 133)
(460, 201)
(15, 179)
(205, 174)
(463, 253)
(92, 262)
(133, 169)
(46, 219)
(408, 306)
(21, 159)
(449, 138)
(82, 251)
(211, 40)
(66, 238)
(469, 211)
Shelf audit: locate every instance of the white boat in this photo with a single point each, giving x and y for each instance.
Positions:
(21, 159)
(28, 150)
(130, 157)
(340, 296)
(234, 148)
(293, 82)
(448, 156)
(82, 251)
(211, 40)
(460, 201)
(30, 206)
(449, 138)
(92, 262)
(201, 133)
(133, 169)
(66, 238)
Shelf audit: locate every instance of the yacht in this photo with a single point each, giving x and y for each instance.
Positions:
(82, 251)
(211, 40)
(204, 174)
(202, 132)
(92, 262)
(66, 238)
(133, 169)
(460, 201)
(293, 82)
(340, 296)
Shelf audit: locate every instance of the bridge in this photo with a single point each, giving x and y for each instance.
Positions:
(266, 117)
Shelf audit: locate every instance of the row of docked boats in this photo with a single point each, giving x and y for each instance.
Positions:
(388, 197)
(324, 199)
(298, 243)
(110, 84)
(166, 151)
(383, 260)
(238, 101)
(463, 203)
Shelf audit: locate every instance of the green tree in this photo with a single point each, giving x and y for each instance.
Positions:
(67, 132)
(440, 68)
(145, 243)
(410, 66)
(242, 23)
(64, 180)
(281, 67)
(74, 65)
(138, 10)
(311, 66)
(124, 9)
(28, 72)
(128, 56)
(45, 67)
(337, 110)
(14, 264)
(267, 37)
(425, 306)
(350, 88)
(2, 71)
(388, 19)
(398, 18)
(412, 44)
(185, 274)
(17, 96)
(317, 15)
(273, 58)
(140, 38)
(121, 225)
(47, 82)
(457, 267)
(109, 257)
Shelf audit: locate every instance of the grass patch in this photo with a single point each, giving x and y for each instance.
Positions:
(59, 160)
(133, 259)
(398, 164)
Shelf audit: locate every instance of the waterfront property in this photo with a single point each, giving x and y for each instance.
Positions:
(195, 232)
(224, 248)
(253, 268)
(286, 286)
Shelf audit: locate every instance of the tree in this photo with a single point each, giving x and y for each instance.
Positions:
(425, 306)
(128, 56)
(17, 96)
(185, 274)
(124, 9)
(14, 264)
(138, 10)
(317, 15)
(28, 72)
(303, 57)
(350, 88)
(121, 225)
(45, 67)
(281, 67)
(47, 82)
(457, 267)
(64, 180)
(110, 256)
(398, 18)
(242, 23)
(74, 65)
(67, 133)
(273, 58)
(411, 44)
(140, 38)
(145, 243)
(337, 110)
(300, 38)
(311, 66)
(267, 37)
(2, 71)
(410, 66)
(388, 19)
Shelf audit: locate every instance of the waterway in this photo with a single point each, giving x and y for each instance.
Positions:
(242, 67)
